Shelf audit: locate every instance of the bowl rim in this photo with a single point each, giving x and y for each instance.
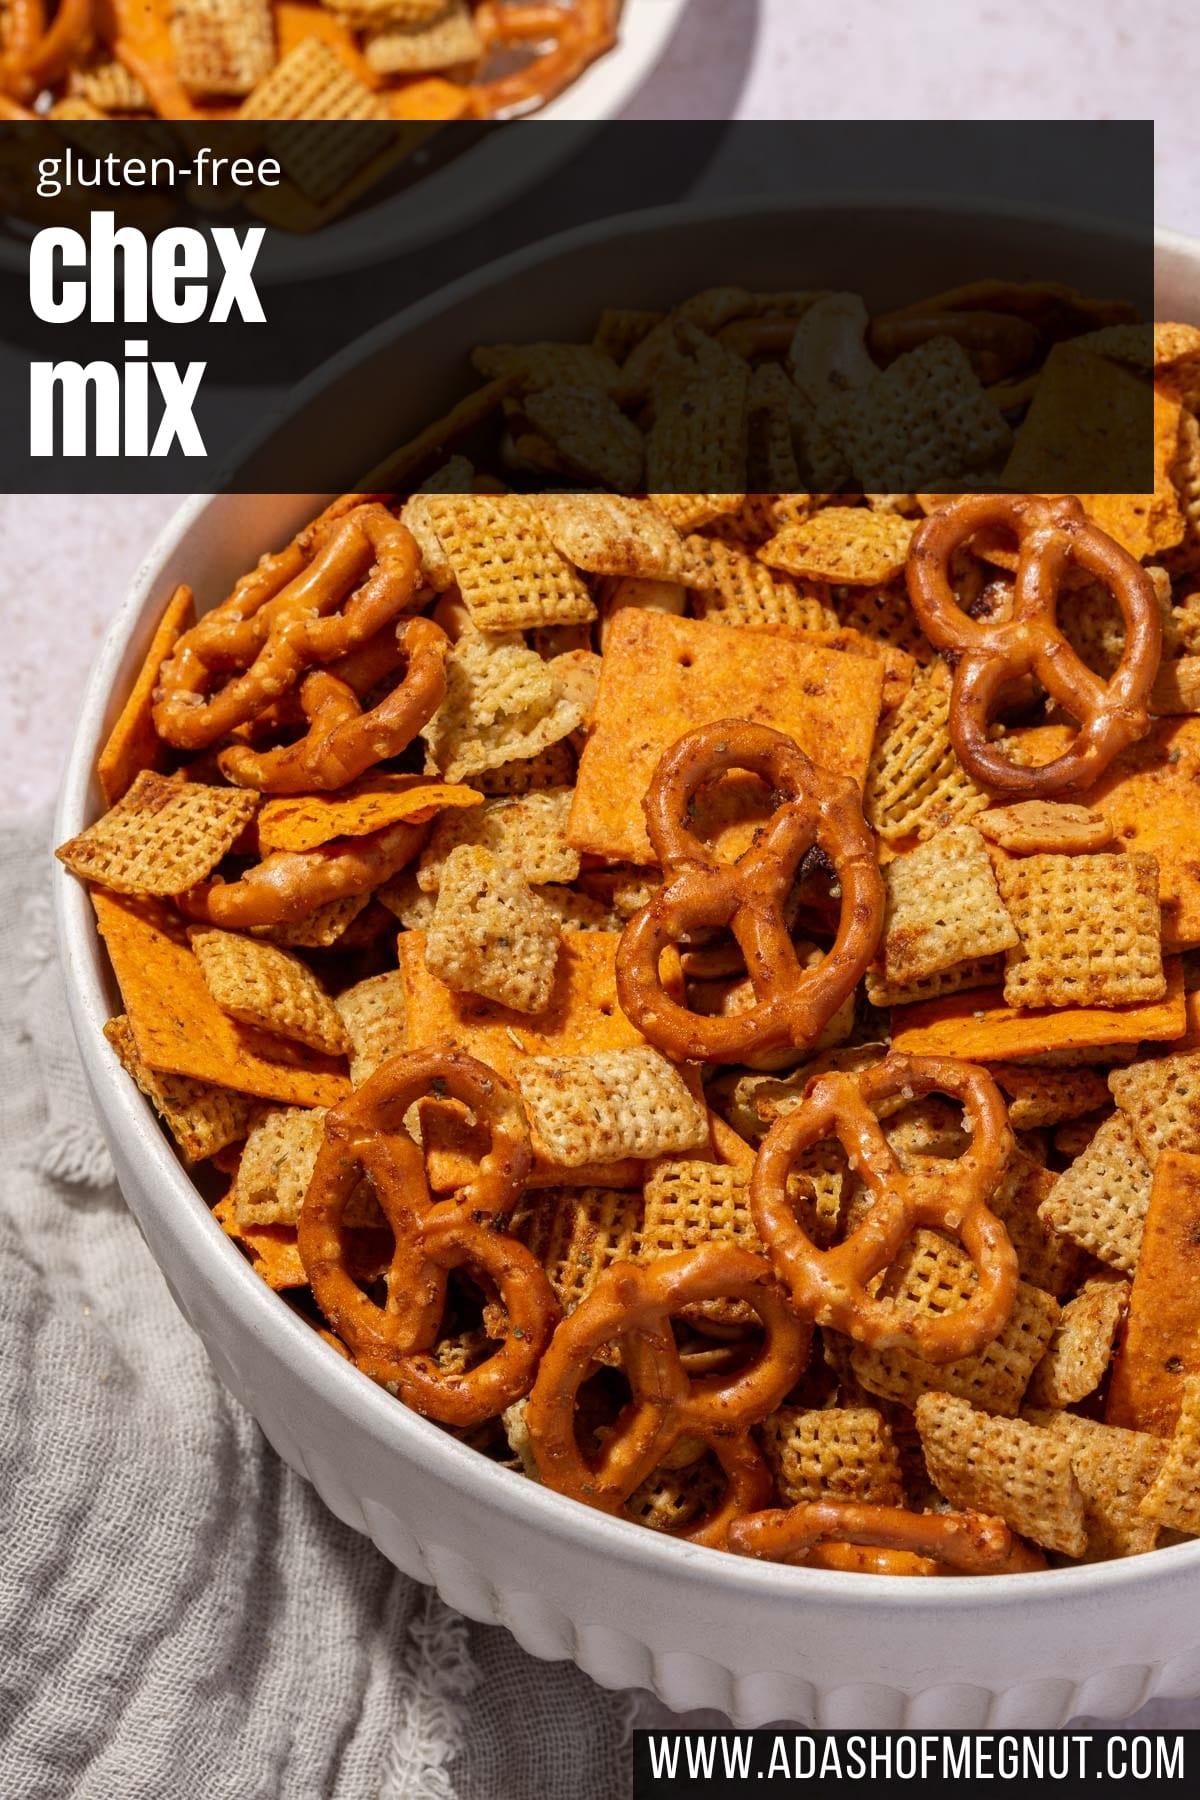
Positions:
(184, 1216)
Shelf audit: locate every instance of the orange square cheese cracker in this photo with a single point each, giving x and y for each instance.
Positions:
(977, 1026)
(582, 1015)
(133, 744)
(178, 1027)
(1161, 1346)
(304, 821)
(663, 676)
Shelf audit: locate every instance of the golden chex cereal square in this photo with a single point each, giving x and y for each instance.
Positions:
(1114, 1469)
(277, 1165)
(503, 707)
(933, 1275)
(319, 929)
(672, 1499)
(700, 426)
(1089, 929)
(417, 46)
(312, 84)
(885, 613)
(610, 534)
(690, 1202)
(590, 435)
(1160, 1097)
(848, 545)
(1100, 1202)
(221, 46)
(262, 985)
(925, 419)
(1174, 1499)
(1039, 1097)
(610, 1104)
(840, 1453)
(576, 1233)
(552, 767)
(376, 1021)
(984, 971)
(943, 907)
(526, 833)
(490, 934)
(915, 783)
(1007, 1467)
(736, 589)
(1081, 1348)
(505, 566)
(163, 837)
(202, 1117)
(1046, 1259)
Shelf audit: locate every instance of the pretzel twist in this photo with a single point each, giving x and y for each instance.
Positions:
(576, 33)
(750, 896)
(831, 1286)
(343, 741)
(1051, 534)
(38, 53)
(290, 885)
(366, 1135)
(961, 1543)
(326, 594)
(632, 1306)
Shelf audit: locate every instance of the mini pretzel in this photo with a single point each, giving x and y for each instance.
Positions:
(996, 342)
(577, 33)
(965, 1543)
(291, 884)
(330, 591)
(366, 1135)
(831, 1286)
(37, 54)
(343, 741)
(750, 896)
(1051, 534)
(633, 1305)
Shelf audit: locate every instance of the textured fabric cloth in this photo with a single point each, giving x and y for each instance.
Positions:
(179, 1614)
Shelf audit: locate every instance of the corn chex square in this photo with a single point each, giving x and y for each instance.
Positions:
(1114, 1469)
(1160, 1098)
(221, 46)
(611, 1104)
(925, 419)
(689, 1202)
(376, 1021)
(943, 907)
(737, 589)
(672, 1499)
(611, 534)
(1089, 927)
(262, 985)
(202, 1117)
(915, 783)
(526, 833)
(932, 1275)
(319, 929)
(850, 546)
(504, 707)
(591, 436)
(552, 767)
(982, 972)
(1081, 1348)
(1007, 1467)
(1100, 1202)
(417, 46)
(1045, 1258)
(1039, 1097)
(1174, 1499)
(700, 430)
(885, 614)
(840, 1453)
(505, 566)
(490, 934)
(163, 837)
(312, 84)
(277, 1165)
(576, 1233)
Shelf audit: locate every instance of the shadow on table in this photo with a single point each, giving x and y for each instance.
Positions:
(715, 42)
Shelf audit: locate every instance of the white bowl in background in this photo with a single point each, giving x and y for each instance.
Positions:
(631, 1607)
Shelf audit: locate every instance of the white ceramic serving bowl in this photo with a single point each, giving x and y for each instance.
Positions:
(630, 1606)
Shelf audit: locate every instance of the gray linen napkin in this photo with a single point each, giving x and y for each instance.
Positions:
(178, 1611)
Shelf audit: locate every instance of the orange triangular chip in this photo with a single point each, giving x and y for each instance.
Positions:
(177, 1025)
(305, 821)
(133, 744)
